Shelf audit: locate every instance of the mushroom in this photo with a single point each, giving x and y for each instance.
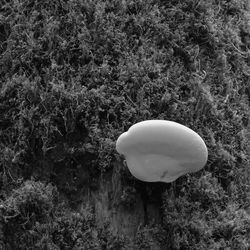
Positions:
(161, 150)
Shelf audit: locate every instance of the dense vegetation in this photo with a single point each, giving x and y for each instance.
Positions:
(75, 74)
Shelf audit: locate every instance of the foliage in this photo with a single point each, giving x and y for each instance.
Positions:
(41, 220)
(150, 237)
(190, 225)
(76, 74)
(31, 204)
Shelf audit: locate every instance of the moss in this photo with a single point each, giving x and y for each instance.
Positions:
(75, 75)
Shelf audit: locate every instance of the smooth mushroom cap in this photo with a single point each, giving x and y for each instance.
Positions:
(160, 150)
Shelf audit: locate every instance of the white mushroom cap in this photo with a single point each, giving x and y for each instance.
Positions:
(160, 150)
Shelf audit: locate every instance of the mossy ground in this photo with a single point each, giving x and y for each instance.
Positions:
(74, 75)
